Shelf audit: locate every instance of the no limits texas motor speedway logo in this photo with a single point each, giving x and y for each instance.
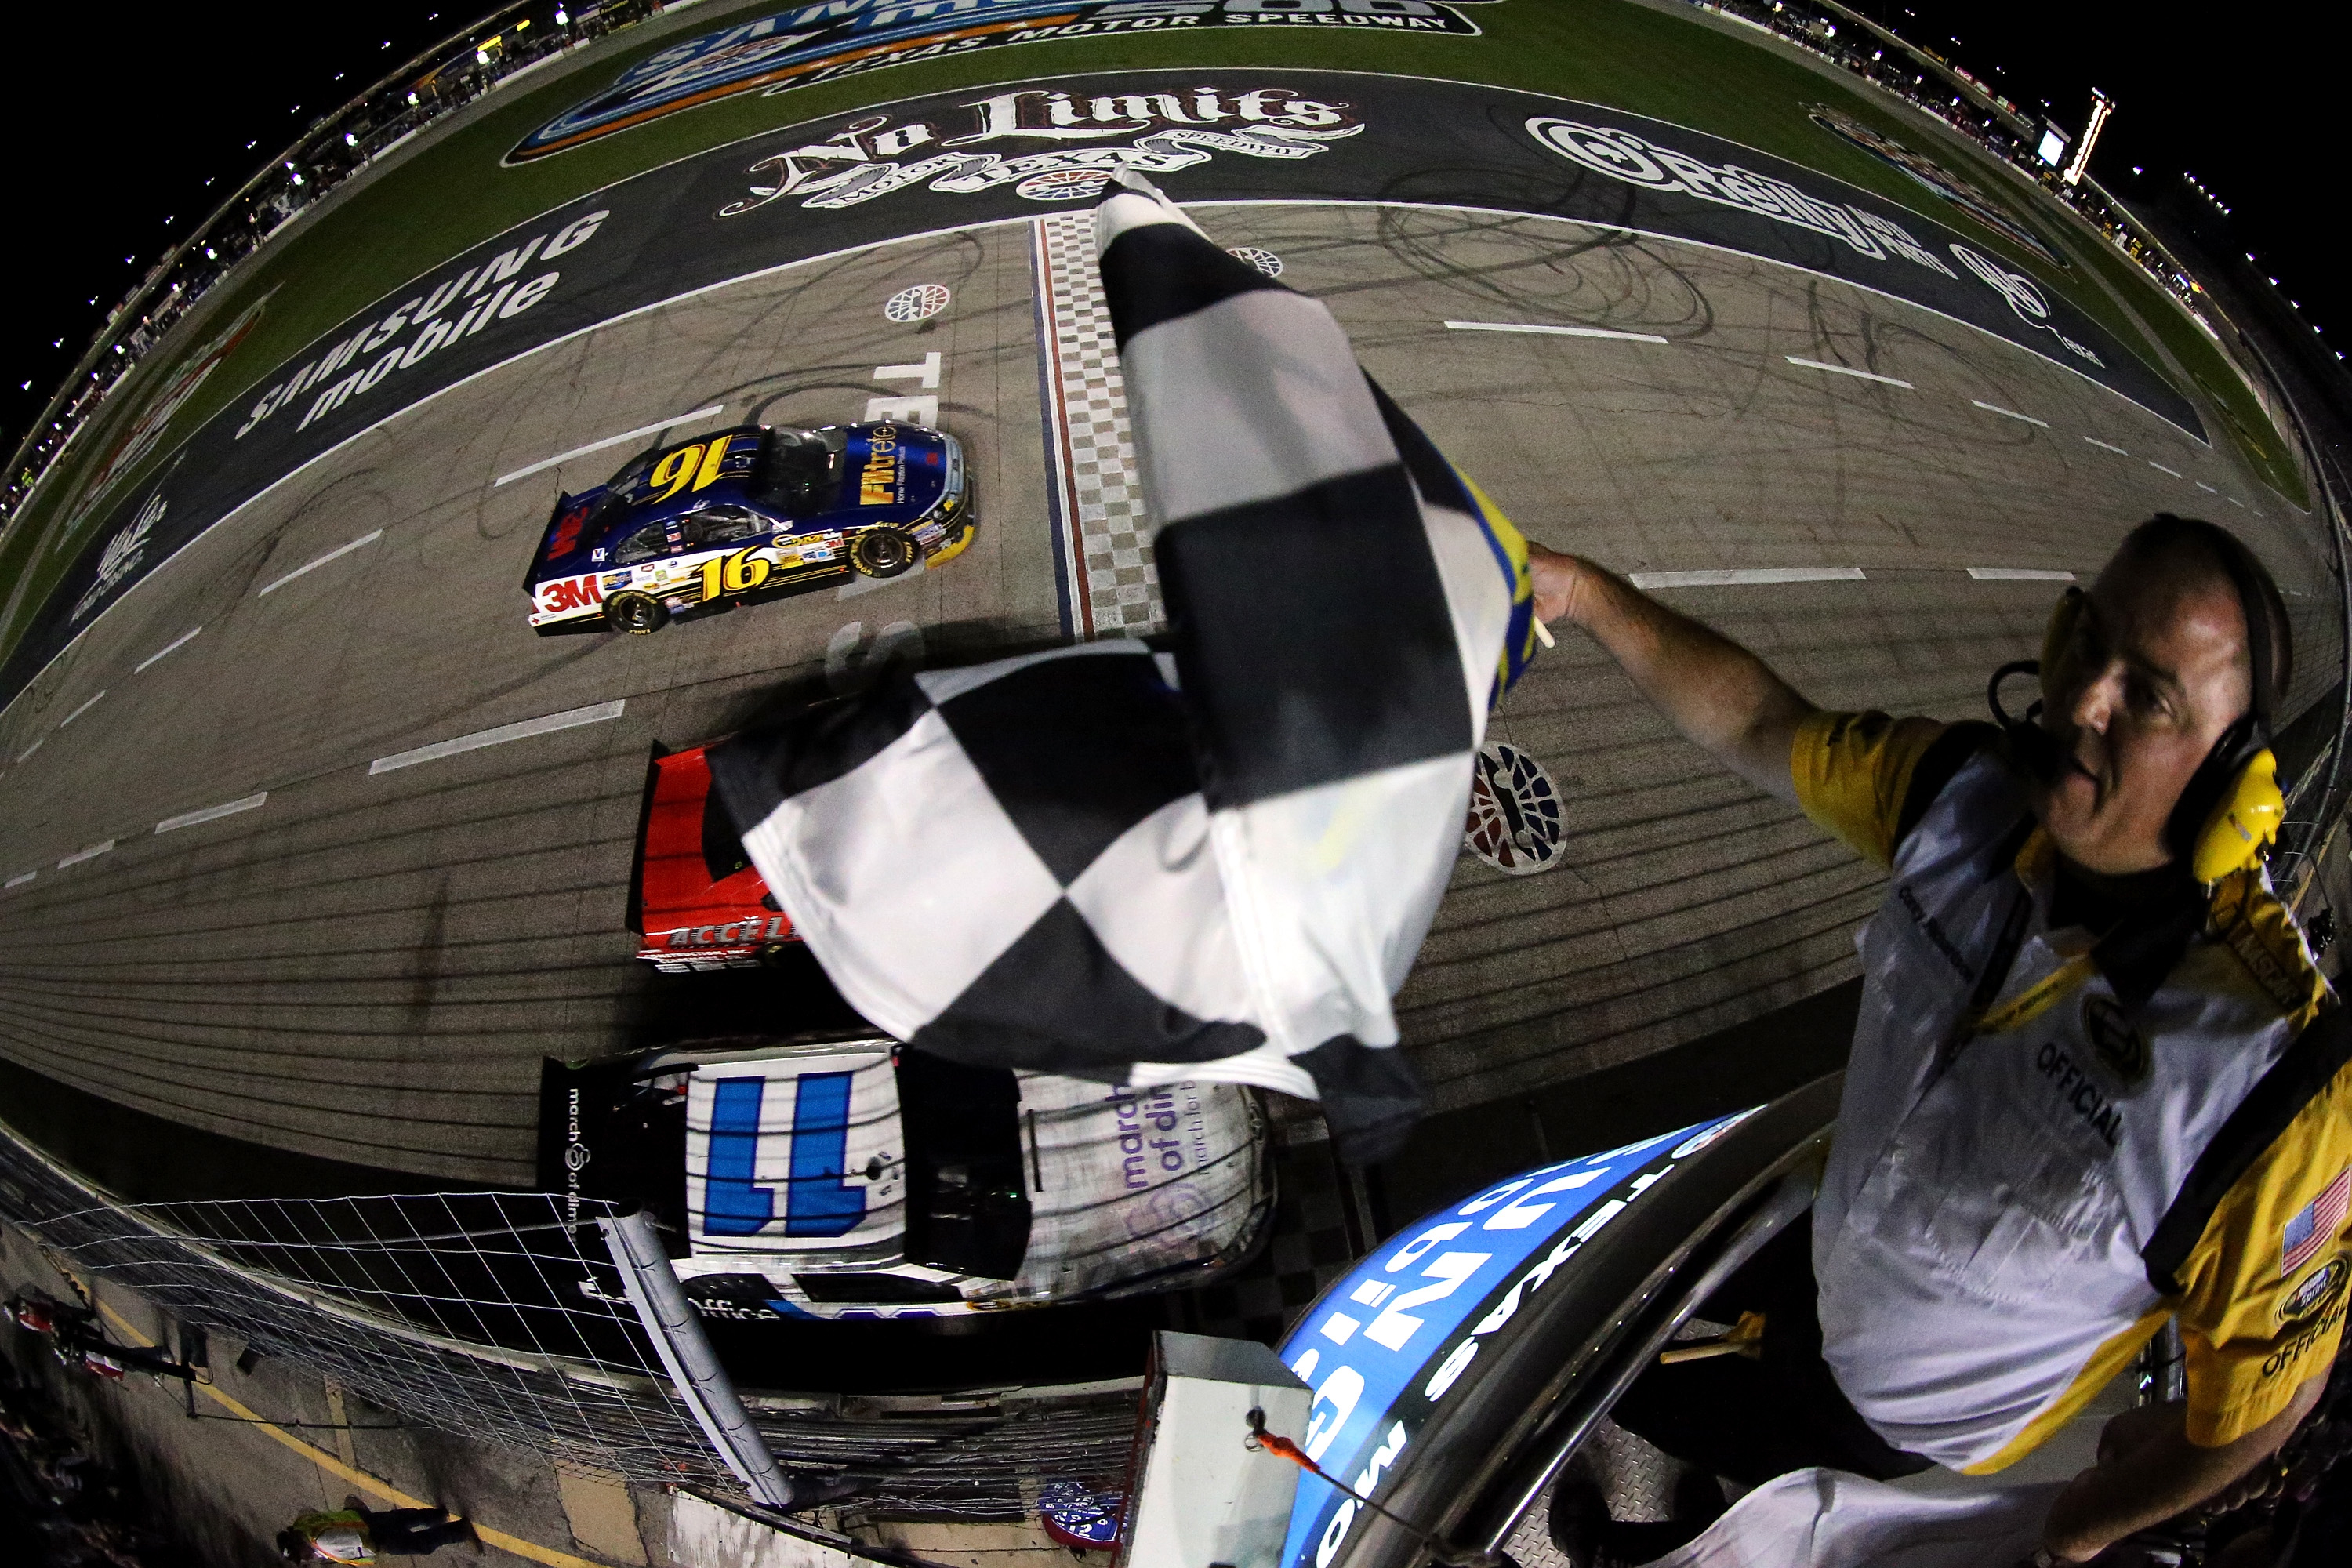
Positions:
(829, 38)
(1171, 131)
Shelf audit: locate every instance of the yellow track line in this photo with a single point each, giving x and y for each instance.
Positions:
(358, 1478)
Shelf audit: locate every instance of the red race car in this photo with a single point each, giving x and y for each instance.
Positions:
(696, 900)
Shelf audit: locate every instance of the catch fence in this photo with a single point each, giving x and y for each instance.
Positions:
(501, 1318)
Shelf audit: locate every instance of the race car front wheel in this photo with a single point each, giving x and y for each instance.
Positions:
(636, 613)
(884, 552)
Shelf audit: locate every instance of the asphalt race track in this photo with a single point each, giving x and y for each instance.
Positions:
(369, 959)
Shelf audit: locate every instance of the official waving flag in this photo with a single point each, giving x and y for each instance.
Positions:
(1213, 862)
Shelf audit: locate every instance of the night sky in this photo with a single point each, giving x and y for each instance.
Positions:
(2250, 105)
(116, 136)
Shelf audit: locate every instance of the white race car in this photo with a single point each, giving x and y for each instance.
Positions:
(855, 1178)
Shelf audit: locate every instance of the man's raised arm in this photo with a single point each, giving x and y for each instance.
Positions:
(1717, 692)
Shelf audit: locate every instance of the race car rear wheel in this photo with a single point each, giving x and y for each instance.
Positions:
(884, 552)
(636, 613)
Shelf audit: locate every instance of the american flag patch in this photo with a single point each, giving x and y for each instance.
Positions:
(2315, 1224)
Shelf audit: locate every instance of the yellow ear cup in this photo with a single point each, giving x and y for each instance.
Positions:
(2247, 819)
(2063, 616)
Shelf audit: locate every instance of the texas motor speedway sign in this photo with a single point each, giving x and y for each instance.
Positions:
(830, 39)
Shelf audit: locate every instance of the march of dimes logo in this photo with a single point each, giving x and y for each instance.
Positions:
(1093, 136)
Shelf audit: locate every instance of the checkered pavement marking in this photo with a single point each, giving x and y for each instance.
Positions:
(1111, 588)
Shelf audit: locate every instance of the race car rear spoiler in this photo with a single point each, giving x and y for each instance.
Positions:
(561, 538)
(635, 916)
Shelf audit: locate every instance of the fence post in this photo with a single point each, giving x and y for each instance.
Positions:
(678, 1339)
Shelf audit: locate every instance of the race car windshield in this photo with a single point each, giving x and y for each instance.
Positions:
(799, 470)
(968, 1208)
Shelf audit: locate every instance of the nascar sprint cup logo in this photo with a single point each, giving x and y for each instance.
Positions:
(1090, 138)
(820, 41)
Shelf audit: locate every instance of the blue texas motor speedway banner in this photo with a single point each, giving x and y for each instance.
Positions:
(1385, 1344)
(828, 38)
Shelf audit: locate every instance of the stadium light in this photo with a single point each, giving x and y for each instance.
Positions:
(2101, 107)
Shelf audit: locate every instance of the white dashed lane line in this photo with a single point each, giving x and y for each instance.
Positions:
(336, 553)
(175, 644)
(92, 853)
(2161, 468)
(2009, 413)
(212, 813)
(2018, 575)
(608, 442)
(19, 879)
(570, 718)
(80, 711)
(28, 750)
(2106, 446)
(1848, 370)
(1742, 576)
(1553, 331)
(2208, 490)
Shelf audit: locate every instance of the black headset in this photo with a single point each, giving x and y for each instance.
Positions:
(2231, 808)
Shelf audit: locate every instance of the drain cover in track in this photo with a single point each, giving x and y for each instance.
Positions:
(1265, 261)
(1516, 825)
(916, 304)
(1064, 186)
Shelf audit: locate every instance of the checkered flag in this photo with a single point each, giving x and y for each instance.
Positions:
(1215, 862)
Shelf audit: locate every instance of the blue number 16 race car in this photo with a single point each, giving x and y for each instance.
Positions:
(746, 514)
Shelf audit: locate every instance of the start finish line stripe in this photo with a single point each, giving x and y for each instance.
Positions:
(610, 441)
(569, 719)
(1740, 577)
(212, 813)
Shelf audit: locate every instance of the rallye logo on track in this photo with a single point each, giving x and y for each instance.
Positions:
(816, 42)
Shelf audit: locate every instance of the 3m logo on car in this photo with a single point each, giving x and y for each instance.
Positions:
(570, 594)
